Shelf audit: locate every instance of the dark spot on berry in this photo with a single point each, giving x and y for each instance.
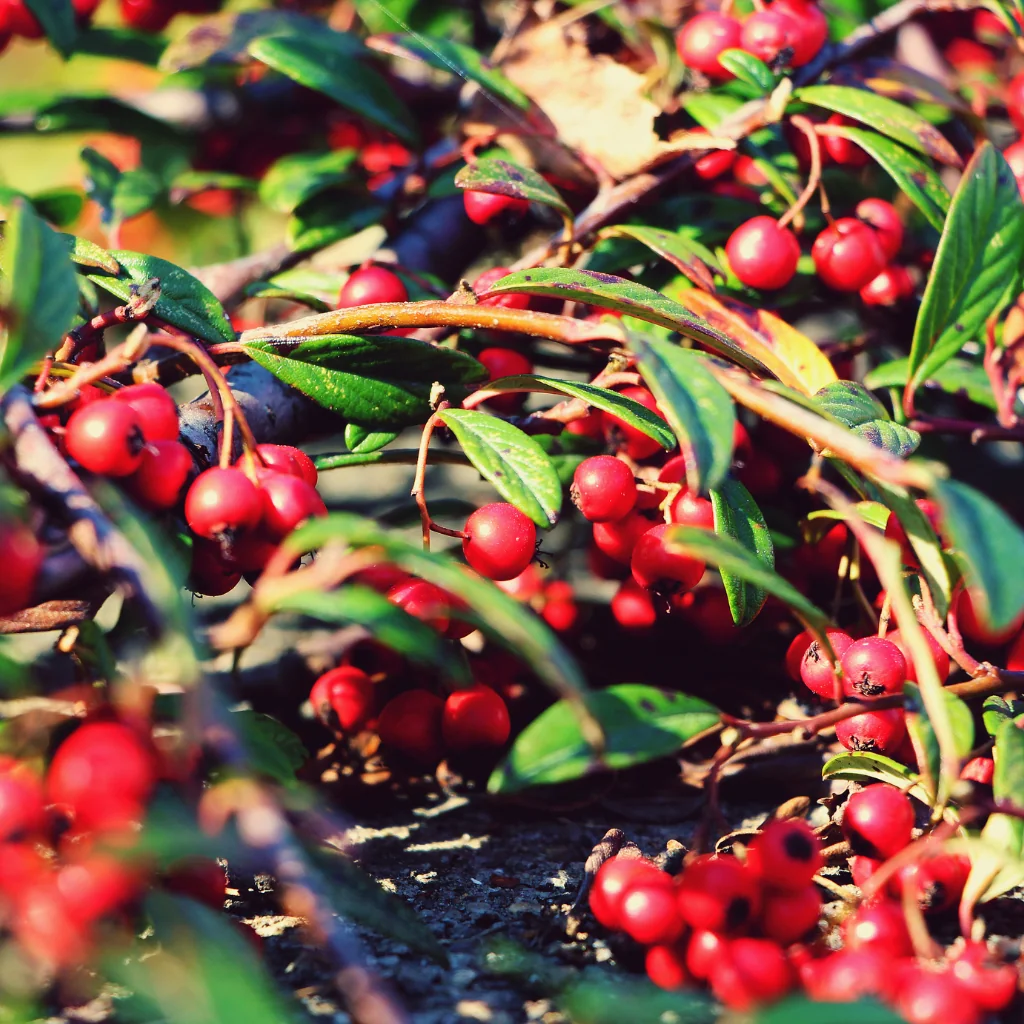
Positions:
(738, 913)
(865, 686)
(813, 653)
(798, 847)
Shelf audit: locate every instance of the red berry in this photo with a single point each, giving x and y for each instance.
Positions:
(843, 151)
(703, 38)
(157, 411)
(990, 983)
(873, 667)
(21, 556)
(689, 510)
(483, 207)
(816, 670)
(707, 610)
(211, 573)
(974, 625)
(785, 854)
(1015, 100)
(105, 438)
(18, 20)
(603, 489)
(763, 255)
(285, 459)
(770, 34)
(848, 975)
(505, 362)
(883, 218)
(936, 883)
(892, 285)
(512, 300)
(343, 695)
(880, 927)
(847, 255)
(560, 614)
(979, 770)
(617, 540)
(719, 894)
(147, 15)
(666, 966)
(21, 802)
(410, 724)
(940, 659)
(752, 972)
(423, 601)
(104, 773)
(370, 285)
(703, 951)
(649, 912)
(636, 443)
(288, 501)
(655, 566)
(878, 821)
(812, 29)
(787, 916)
(882, 732)
(162, 474)
(795, 653)
(613, 880)
(96, 886)
(223, 501)
(931, 997)
(715, 163)
(200, 878)
(499, 541)
(862, 868)
(473, 719)
(632, 607)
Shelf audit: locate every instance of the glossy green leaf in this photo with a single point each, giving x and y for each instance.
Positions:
(456, 58)
(957, 377)
(738, 517)
(266, 290)
(102, 114)
(895, 438)
(120, 195)
(360, 440)
(858, 766)
(57, 206)
(192, 183)
(57, 19)
(915, 177)
(977, 261)
(804, 1010)
(687, 255)
(271, 748)
(732, 556)
(992, 545)
(748, 68)
(626, 409)
(995, 710)
(850, 403)
(184, 301)
(885, 116)
(120, 43)
(637, 300)
(379, 381)
(318, 62)
(505, 178)
(697, 407)
(607, 1000)
(330, 217)
(1008, 780)
(294, 178)
(511, 460)
(89, 254)
(921, 729)
(874, 513)
(38, 290)
(640, 723)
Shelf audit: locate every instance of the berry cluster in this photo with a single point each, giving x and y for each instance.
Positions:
(156, 15)
(17, 20)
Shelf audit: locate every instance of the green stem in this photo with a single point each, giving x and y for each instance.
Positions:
(392, 457)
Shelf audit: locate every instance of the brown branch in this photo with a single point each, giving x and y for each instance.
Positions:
(977, 432)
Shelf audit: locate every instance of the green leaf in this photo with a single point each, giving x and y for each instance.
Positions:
(738, 517)
(120, 43)
(360, 440)
(804, 1010)
(89, 254)
(640, 723)
(504, 178)
(379, 381)
(914, 176)
(850, 403)
(192, 183)
(454, 57)
(884, 115)
(977, 260)
(894, 438)
(732, 556)
(330, 217)
(626, 409)
(38, 290)
(687, 255)
(993, 547)
(511, 460)
(748, 68)
(57, 18)
(58, 206)
(102, 114)
(272, 749)
(697, 407)
(266, 290)
(637, 300)
(874, 513)
(996, 864)
(316, 62)
(297, 177)
(353, 605)
(995, 710)
(919, 726)
(857, 766)
(957, 377)
(604, 1000)
(184, 301)
(1008, 780)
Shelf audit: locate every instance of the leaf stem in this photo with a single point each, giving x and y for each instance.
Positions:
(814, 175)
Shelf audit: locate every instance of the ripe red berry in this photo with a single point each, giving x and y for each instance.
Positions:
(703, 950)
(937, 883)
(847, 255)
(18, 20)
(618, 539)
(505, 362)
(222, 501)
(286, 459)
(370, 285)
(763, 255)
(883, 218)
(751, 972)
(560, 611)
(894, 530)
(816, 670)
(666, 966)
(157, 411)
(882, 732)
(690, 510)
(162, 474)
(512, 300)
(211, 573)
(475, 719)
(288, 501)
(878, 821)
(703, 38)
(410, 725)
(655, 566)
(21, 556)
(613, 880)
(105, 438)
(147, 15)
(843, 151)
(848, 975)
(483, 207)
(718, 894)
(344, 696)
(649, 912)
(892, 285)
(785, 854)
(603, 489)
(103, 773)
(795, 653)
(770, 34)
(880, 927)
(787, 916)
(632, 607)
(423, 601)
(636, 443)
(716, 163)
(1015, 101)
(940, 659)
(973, 625)
(989, 982)
(812, 29)
(708, 612)
(22, 813)
(499, 541)
(200, 878)
(934, 997)
(873, 667)
(96, 886)
(979, 770)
